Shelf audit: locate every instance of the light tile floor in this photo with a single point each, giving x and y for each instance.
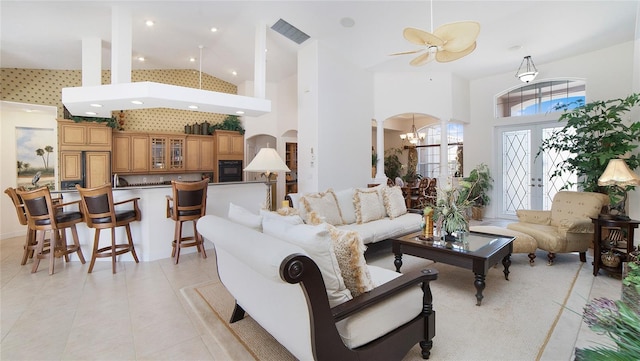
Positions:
(140, 314)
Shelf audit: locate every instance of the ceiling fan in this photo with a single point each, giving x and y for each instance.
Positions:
(447, 43)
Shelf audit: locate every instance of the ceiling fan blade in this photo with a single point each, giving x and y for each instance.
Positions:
(458, 36)
(444, 56)
(421, 37)
(421, 59)
(408, 52)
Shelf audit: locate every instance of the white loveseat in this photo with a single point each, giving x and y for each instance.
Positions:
(290, 285)
(377, 214)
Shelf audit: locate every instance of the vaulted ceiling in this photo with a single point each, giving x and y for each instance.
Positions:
(48, 34)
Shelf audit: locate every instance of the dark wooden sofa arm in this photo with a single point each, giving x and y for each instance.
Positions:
(385, 291)
(325, 339)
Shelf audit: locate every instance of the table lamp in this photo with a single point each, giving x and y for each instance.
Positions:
(267, 162)
(618, 174)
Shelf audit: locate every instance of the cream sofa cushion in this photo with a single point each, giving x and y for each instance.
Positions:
(345, 203)
(349, 251)
(244, 217)
(325, 205)
(376, 321)
(369, 205)
(316, 241)
(394, 202)
(569, 205)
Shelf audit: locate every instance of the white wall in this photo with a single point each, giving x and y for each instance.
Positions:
(335, 101)
(606, 72)
(12, 115)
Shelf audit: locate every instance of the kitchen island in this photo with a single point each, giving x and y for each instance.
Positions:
(152, 236)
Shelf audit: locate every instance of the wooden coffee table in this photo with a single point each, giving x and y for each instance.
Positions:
(481, 252)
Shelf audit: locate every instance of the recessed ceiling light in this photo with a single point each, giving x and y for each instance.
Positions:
(90, 113)
(515, 47)
(193, 107)
(234, 73)
(96, 105)
(137, 102)
(192, 59)
(214, 29)
(149, 23)
(240, 112)
(141, 58)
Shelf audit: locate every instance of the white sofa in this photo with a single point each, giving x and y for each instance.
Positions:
(371, 231)
(285, 284)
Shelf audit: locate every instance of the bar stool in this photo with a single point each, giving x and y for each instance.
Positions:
(189, 203)
(42, 216)
(30, 241)
(100, 213)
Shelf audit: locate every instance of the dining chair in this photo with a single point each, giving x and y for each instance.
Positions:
(43, 215)
(188, 203)
(100, 213)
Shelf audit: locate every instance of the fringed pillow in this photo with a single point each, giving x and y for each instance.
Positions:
(394, 202)
(349, 252)
(369, 205)
(325, 205)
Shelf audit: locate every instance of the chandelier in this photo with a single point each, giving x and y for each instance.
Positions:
(528, 72)
(413, 136)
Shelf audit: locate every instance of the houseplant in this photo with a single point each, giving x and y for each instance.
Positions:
(374, 162)
(392, 163)
(231, 122)
(595, 132)
(620, 320)
(475, 188)
(450, 212)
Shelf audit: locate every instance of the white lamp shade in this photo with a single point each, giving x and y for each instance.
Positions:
(267, 161)
(618, 173)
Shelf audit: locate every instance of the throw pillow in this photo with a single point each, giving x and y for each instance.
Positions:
(349, 251)
(394, 202)
(316, 242)
(345, 203)
(240, 215)
(369, 205)
(325, 205)
(291, 219)
(314, 218)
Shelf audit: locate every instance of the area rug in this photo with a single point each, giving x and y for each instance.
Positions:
(514, 322)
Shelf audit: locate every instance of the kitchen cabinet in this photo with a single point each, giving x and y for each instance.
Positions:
(70, 165)
(83, 135)
(167, 153)
(98, 169)
(131, 153)
(229, 142)
(199, 153)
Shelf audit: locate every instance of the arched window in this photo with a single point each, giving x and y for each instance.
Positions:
(540, 98)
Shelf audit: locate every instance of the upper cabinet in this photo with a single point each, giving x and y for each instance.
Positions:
(229, 143)
(199, 153)
(83, 135)
(167, 153)
(130, 152)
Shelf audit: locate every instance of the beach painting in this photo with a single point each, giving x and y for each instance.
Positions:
(36, 156)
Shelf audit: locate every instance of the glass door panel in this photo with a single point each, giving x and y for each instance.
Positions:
(524, 177)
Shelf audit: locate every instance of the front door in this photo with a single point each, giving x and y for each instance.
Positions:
(523, 175)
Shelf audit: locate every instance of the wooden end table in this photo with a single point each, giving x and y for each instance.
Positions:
(481, 252)
(625, 225)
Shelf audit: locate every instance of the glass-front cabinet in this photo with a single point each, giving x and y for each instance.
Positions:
(167, 153)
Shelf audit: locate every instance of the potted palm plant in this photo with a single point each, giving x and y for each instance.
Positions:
(475, 189)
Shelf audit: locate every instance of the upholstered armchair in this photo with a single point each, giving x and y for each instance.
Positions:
(567, 227)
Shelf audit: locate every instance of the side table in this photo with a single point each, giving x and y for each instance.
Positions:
(627, 226)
